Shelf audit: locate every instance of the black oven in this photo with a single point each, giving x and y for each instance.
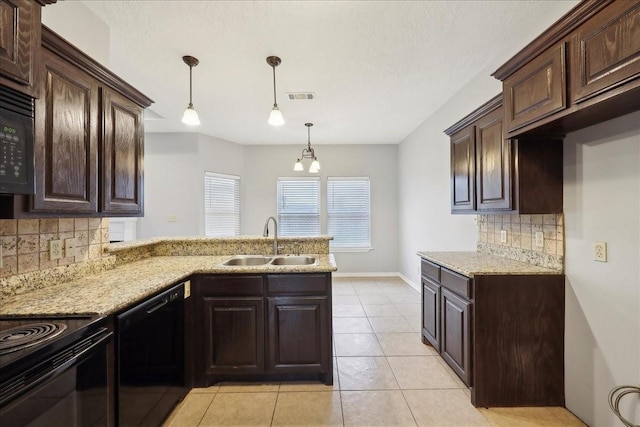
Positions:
(16, 142)
(62, 381)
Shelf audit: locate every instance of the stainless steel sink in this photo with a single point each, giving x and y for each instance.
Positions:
(246, 260)
(294, 260)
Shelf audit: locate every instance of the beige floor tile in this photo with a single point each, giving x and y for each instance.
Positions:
(521, 417)
(409, 310)
(566, 417)
(365, 373)
(351, 325)
(405, 298)
(443, 408)
(379, 310)
(420, 372)
(190, 411)
(248, 387)
(308, 409)
(342, 290)
(404, 344)
(368, 290)
(467, 391)
(451, 372)
(345, 300)
(375, 408)
(374, 299)
(302, 385)
(210, 389)
(415, 322)
(357, 345)
(354, 310)
(240, 409)
(383, 325)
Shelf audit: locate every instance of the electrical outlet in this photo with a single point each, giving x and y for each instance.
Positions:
(55, 249)
(600, 251)
(475, 220)
(172, 218)
(70, 247)
(539, 239)
(503, 236)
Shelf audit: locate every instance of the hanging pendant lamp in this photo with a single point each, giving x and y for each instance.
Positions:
(308, 153)
(275, 118)
(190, 116)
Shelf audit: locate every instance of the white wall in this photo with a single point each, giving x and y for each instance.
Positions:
(175, 164)
(602, 203)
(264, 164)
(76, 23)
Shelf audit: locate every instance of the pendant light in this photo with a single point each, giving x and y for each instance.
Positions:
(190, 116)
(308, 153)
(275, 118)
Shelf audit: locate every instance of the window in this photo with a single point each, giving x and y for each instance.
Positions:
(221, 205)
(348, 213)
(298, 206)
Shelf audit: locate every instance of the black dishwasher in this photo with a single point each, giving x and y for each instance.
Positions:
(150, 365)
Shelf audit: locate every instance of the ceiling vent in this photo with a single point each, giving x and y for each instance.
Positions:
(298, 96)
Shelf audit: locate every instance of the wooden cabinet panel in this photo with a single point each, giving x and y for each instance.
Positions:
(296, 284)
(298, 334)
(66, 140)
(431, 312)
(19, 39)
(234, 335)
(463, 170)
(430, 270)
(605, 51)
(456, 334)
(493, 164)
(122, 154)
(536, 90)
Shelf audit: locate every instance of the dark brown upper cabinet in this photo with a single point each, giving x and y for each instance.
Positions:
(583, 70)
(491, 174)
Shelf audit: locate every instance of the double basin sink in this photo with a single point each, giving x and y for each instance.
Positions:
(284, 260)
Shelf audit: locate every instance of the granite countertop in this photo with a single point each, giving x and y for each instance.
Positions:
(472, 263)
(114, 290)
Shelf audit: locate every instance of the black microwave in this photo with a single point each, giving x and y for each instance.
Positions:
(16, 142)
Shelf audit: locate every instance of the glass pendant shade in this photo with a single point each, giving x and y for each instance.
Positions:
(315, 166)
(275, 118)
(190, 117)
(298, 166)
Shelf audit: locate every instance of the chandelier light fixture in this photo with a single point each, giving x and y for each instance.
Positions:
(275, 118)
(308, 153)
(190, 116)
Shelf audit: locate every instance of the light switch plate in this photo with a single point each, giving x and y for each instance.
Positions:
(539, 239)
(55, 249)
(70, 247)
(172, 218)
(503, 236)
(600, 251)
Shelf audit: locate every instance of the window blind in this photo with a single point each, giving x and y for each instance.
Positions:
(348, 212)
(298, 207)
(221, 205)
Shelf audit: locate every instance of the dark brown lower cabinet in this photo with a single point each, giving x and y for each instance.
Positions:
(255, 327)
(503, 335)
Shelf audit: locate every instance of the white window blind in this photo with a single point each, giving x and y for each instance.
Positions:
(221, 205)
(348, 212)
(298, 207)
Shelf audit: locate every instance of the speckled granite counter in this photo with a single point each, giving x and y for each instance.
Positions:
(472, 263)
(113, 290)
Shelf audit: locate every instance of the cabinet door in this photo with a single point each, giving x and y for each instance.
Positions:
(456, 334)
(463, 175)
(299, 335)
(19, 38)
(66, 144)
(605, 51)
(431, 312)
(122, 156)
(233, 335)
(493, 164)
(536, 90)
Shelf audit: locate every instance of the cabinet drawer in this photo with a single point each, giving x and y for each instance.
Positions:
(236, 285)
(456, 282)
(431, 270)
(297, 284)
(536, 90)
(605, 52)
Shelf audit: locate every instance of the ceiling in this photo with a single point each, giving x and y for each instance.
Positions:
(377, 68)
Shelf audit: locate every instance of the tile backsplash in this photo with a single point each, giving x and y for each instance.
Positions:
(25, 242)
(521, 244)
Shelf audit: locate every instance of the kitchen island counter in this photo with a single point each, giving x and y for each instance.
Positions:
(113, 290)
(478, 263)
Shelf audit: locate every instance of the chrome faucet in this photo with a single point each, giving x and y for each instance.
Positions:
(265, 233)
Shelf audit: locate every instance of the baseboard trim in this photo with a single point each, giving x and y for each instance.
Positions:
(410, 282)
